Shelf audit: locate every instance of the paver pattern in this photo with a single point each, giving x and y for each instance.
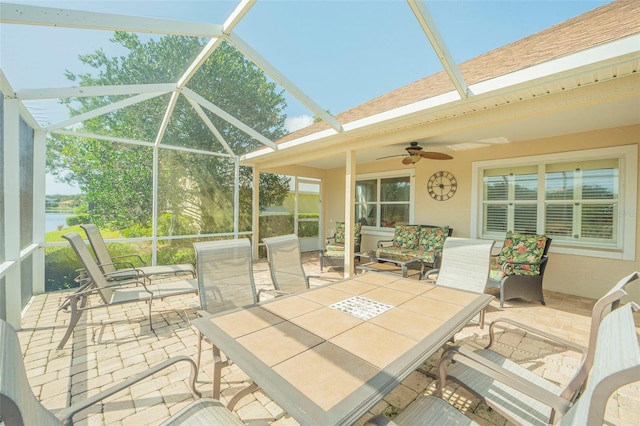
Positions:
(110, 345)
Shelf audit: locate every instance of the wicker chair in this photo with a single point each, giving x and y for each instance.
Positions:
(518, 270)
(333, 252)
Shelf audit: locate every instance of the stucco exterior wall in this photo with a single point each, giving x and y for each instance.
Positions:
(566, 273)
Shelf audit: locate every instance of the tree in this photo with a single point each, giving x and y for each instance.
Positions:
(195, 190)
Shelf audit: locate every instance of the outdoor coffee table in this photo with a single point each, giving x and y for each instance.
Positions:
(327, 355)
(381, 264)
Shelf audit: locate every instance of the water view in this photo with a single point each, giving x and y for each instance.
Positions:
(53, 219)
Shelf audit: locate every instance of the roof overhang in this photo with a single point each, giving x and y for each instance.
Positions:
(604, 75)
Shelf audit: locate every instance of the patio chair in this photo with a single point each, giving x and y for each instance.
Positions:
(464, 266)
(225, 281)
(519, 268)
(19, 406)
(113, 292)
(519, 394)
(616, 364)
(123, 270)
(333, 252)
(285, 264)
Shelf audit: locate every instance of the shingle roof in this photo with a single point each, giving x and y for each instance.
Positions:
(605, 24)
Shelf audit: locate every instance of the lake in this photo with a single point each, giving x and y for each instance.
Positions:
(53, 219)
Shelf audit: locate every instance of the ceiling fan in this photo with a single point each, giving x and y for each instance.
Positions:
(415, 154)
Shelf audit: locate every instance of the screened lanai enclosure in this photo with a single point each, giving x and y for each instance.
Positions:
(212, 120)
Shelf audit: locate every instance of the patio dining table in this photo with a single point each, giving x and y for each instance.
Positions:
(327, 355)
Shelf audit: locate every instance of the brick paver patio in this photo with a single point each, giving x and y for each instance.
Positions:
(110, 345)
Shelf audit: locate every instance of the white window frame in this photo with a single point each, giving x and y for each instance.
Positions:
(627, 206)
(385, 175)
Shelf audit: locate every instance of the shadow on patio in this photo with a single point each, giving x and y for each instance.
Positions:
(110, 345)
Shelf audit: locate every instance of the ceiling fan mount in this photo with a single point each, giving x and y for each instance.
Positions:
(415, 153)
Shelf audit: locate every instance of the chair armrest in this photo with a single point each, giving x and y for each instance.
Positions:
(383, 241)
(328, 239)
(66, 414)
(321, 277)
(533, 330)
(496, 372)
(426, 274)
(272, 293)
(510, 262)
(508, 267)
(379, 420)
(130, 255)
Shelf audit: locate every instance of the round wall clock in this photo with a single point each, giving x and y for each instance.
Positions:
(442, 186)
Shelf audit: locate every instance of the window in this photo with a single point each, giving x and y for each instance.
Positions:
(382, 200)
(577, 198)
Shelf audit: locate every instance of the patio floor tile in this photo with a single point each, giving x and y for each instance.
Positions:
(111, 345)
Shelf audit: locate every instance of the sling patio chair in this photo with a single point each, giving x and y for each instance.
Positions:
(482, 372)
(138, 289)
(616, 364)
(285, 264)
(225, 281)
(116, 268)
(333, 252)
(464, 266)
(19, 406)
(518, 270)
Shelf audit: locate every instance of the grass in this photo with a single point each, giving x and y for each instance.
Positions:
(56, 236)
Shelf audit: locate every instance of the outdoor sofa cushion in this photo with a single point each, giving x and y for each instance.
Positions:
(521, 254)
(427, 247)
(406, 236)
(339, 235)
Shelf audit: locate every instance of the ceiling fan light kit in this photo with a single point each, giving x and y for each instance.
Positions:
(415, 154)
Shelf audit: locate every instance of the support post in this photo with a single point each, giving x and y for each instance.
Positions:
(11, 229)
(255, 216)
(39, 191)
(349, 212)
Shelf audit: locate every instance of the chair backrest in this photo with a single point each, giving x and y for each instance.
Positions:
(89, 264)
(225, 274)
(617, 363)
(433, 237)
(465, 264)
(99, 248)
(285, 263)
(340, 236)
(18, 404)
(525, 248)
(603, 306)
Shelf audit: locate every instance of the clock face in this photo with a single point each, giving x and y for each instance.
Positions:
(442, 186)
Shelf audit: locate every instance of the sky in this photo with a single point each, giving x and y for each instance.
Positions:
(340, 53)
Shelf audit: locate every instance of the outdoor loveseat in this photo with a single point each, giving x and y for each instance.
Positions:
(422, 242)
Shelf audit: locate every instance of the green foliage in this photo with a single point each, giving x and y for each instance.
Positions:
(195, 190)
(308, 229)
(78, 220)
(60, 268)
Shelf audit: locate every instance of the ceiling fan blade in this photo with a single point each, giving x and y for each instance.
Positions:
(391, 156)
(431, 155)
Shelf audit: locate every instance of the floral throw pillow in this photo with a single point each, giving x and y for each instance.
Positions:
(432, 238)
(522, 253)
(406, 236)
(340, 233)
(357, 235)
